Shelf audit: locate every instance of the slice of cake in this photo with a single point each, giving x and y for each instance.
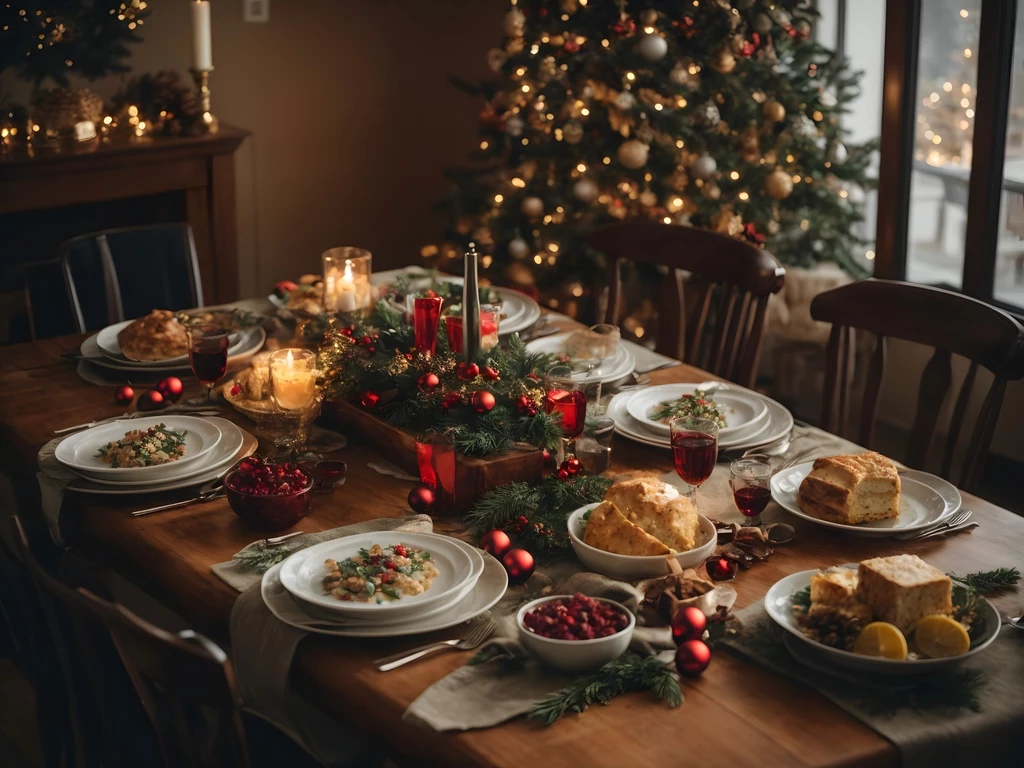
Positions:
(835, 586)
(903, 589)
(851, 489)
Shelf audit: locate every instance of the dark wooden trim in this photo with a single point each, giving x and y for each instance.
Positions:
(991, 111)
(841, 28)
(899, 105)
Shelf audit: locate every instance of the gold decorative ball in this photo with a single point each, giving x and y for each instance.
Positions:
(723, 61)
(749, 139)
(711, 191)
(774, 111)
(649, 17)
(779, 184)
(772, 227)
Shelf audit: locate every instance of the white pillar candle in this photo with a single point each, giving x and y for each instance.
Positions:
(293, 382)
(345, 291)
(202, 42)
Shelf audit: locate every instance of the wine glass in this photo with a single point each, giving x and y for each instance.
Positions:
(208, 354)
(750, 480)
(694, 450)
(566, 396)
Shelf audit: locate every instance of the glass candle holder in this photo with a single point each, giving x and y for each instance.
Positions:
(490, 320)
(293, 379)
(599, 342)
(426, 313)
(347, 285)
(435, 455)
(565, 396)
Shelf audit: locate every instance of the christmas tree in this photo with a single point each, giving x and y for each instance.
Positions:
(713, 113)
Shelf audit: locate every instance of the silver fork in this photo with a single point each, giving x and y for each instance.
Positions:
(960, 517)
(480, 633)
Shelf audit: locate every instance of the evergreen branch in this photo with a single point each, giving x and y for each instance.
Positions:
(260, 558)
(502, 505)
(987, 582)
(626, 674)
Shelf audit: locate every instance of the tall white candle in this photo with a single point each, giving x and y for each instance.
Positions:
(345, 296)
(202, 42)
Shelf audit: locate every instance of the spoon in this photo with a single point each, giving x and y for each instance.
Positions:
(1017, 622)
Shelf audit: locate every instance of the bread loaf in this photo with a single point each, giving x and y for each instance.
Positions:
(903, 589)
(851, 489)
(835, 586)
(659, 509)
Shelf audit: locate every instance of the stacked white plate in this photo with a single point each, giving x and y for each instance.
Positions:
(609, 370)
(751, 419)
(468, 583)
(212, 446)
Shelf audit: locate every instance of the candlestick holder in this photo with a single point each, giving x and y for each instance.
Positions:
(202, 80)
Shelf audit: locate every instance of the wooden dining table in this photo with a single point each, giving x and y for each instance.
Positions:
(735, 714)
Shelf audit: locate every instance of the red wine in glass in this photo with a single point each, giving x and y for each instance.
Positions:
(751, 499)
(694, 454)
(572, 404)
(209, 362)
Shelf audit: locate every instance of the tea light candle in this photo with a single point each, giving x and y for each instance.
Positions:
(293, 378)
(202, 44)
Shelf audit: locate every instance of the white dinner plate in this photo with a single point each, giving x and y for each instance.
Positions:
(88, 486)
(107, 341)
(741, 408)
(779, 605)
(251, 341)
(609, 370)
(488, 591)
(231, 440)
(78, 451)
(921, 505)
(302, 574)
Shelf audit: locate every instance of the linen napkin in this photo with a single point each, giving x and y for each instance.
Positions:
(647, 359)
(484, 695)
(262, 650)
(925, 737)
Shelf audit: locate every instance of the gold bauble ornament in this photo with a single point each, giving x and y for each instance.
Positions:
(723, 61)
(711, 191)
(633, 154)
(772, 227)
(749, 139)
(648, 198)
(514, 46)
(514, 22)
(779, 184)
(570, 6)
(774, 111)
(649, 17)
(557, 40)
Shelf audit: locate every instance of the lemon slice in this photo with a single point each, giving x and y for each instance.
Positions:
(880, 638)
(939, 637)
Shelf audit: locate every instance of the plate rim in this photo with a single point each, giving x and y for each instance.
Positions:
(259, 336)
(731, 391)
(627, 366)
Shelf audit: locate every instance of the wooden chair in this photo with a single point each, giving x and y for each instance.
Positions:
(125, 273)
(720, 309)
(51, 301)
(950, 323)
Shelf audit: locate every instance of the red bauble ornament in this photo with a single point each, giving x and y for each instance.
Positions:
(150, 400)
(284, 287)
(692, 658)
(562, 474)
(689, 623)
(171, 388)
(483, 401)
(571, 46)
(519, 564)
(365, 341)
(428, 381)
(491, 374)
(368, 399)
(468, 371)
(721, 568)
(451, 399)
(124, 395)
(421, 498)
(496, 543)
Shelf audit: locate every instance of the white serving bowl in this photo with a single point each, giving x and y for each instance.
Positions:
(575, 655)
(630, 567)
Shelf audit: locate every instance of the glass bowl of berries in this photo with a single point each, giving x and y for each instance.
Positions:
(575, 633)
(268, 495)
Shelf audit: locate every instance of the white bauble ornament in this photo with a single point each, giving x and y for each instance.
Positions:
(652, 47)
(585, 190)
(818, 246)
(518, 248)
(783, 18)
(633, 154)
(572, 131)
(838, 154)
(707, 115)
(704, 167)
(496, 59)
(680, 75)
(587, 92)
(762, 23)
(648, 198)
(532, 206)
(625, 100)
(855, 194)
(828, 99)
(513, 23)
(514, 126)
(803, 127)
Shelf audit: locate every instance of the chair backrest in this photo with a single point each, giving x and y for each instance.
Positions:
(126, 273)
(186, 684)
(714, 319)
(950, 323)
(51, 302)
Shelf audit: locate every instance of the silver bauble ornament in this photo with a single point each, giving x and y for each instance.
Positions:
(633, 154)
(706, 115)
(518, 248)
(585, 190)
(855, 194)
(837, 154)
(763, 23)
(625, 100)
(818, 246)
(496, 59)
(532, 206)
(704, 167)
(652, 46)
(513, 23)
(514, 126)
(803, 127)
(680, 75)
(572, 131)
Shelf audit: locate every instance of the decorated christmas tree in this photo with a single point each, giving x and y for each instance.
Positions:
(714, 113)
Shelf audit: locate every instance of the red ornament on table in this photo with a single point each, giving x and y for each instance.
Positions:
(721, 568)
(421, 498)
(491, 374)
(171, 388)
(519, 564)
(124, 395)
(689, 623)
(428, 381)
(496, 543)
(368, 399)
(483, 401)
(150, 400)
(468, 371)
(692, 658)
(284, 287)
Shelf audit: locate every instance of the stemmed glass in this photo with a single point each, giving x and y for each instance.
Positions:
(694, 450)
(750, 480)
(566, 396)
(208, 354)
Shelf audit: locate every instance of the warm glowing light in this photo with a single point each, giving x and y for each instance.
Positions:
(790, 158)
(639, 330)
(680, 102)
(934, 97)
(964, 125)
(582, 168)
(936, 139)
(525, 142)
(498, 198)
(607, 161)
(538, 259)
(965, 89)
(928, 135)
(526, 89)
(584, 111)
(517, 182)
(534, 49)
(967, 53)
(108, 120)
(553, 247)
(658, 107)
(486, 261)
(963, 13)
(734, 175)
(797, 178)
(667, 220)
(605, 43)
(805, 224)
(133, 110)
(649, 30)
(648, 177)
(680, 143)
(521, 71)
(947, 86)
(969, 113)
(744, 196)
(965, 103)
(630, 76)
(869, 255)
(484, 145)
(817, 116)
(843, 193)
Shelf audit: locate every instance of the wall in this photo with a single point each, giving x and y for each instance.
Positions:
(352, 117)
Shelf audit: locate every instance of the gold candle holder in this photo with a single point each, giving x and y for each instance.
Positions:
(202, 80)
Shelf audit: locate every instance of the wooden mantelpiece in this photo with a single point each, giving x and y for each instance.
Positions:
(193, 177)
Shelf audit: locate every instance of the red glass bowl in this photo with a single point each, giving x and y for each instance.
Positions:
(270, 513)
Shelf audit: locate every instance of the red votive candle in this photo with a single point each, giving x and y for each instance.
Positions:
(488, 331)
(426, 313)
(435, 455)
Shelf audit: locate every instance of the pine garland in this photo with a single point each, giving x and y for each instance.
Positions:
(626, 674)
(987, 582)
(260, 558)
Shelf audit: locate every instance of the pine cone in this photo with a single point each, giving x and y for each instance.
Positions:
(835, 626)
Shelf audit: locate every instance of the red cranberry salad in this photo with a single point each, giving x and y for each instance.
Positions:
(257, 477)
(578, 618)
(144, 448)
(380, 574)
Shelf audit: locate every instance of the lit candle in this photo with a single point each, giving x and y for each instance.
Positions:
(345, 291)
(293, 380)
(202, 43)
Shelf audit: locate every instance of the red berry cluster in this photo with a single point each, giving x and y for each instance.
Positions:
(257, 477)
(368, 399)
(579, 618)
(525, 405)
(522, 523)
(369, 342)
(348, 330)
(450, 400)
(568, 468)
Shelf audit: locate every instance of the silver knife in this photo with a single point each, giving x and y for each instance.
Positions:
(944, 531)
